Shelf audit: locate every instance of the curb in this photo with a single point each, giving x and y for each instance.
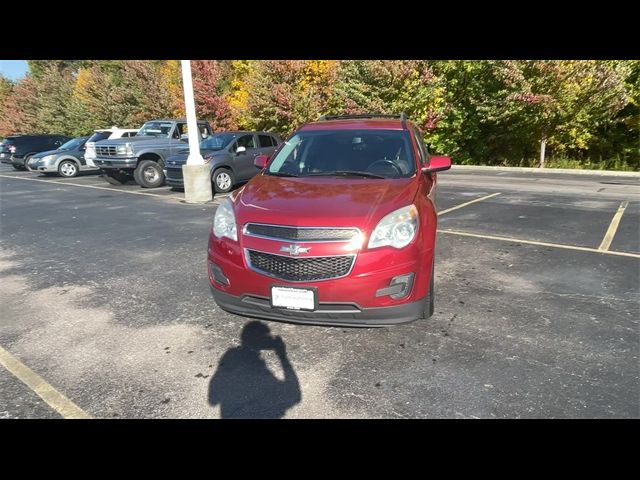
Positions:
(612, 173)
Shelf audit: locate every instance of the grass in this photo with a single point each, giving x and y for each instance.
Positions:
(568, 163)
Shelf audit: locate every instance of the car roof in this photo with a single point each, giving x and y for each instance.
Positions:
(356, 124)
(31, 135)
(173, 120)
(239, 132)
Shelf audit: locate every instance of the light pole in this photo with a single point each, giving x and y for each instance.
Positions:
(197, 179)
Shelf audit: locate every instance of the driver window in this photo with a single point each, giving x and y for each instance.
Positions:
(247, 141)
(181, 129)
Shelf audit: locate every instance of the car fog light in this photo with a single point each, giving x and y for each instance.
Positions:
(217, 274)
(399, 287)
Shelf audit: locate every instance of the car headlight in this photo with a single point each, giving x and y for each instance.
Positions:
(224, 221)
(126, 149)
(396, 229)
(46, 158)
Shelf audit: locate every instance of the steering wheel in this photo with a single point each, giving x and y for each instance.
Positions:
(384, 161)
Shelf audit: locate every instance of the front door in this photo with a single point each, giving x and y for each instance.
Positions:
(243, 161)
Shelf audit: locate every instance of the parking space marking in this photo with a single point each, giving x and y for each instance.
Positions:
(541, 244)
(93, 186)
(179, 199)
(613, 227)
(468, 203)
(46, 392)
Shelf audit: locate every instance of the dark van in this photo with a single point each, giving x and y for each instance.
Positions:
(18, 149)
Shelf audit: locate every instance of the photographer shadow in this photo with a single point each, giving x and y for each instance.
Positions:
(243, 385)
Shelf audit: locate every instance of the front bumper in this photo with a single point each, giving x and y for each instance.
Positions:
(6, 158)
(344, 315)
(116, 163)
(173, 177)
(358, 298)
(42, 167)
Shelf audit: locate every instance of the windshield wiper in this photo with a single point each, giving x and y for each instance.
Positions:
(282, 174)
(345, 173)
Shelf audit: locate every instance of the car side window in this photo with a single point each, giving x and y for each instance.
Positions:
(246, 141)
(265, 141)
(274, 141)
(179, 130)
(424, 153)
(204, 130)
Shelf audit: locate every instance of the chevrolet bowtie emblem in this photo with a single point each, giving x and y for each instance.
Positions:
(295, 249)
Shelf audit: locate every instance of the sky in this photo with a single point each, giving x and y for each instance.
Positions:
(13, 69)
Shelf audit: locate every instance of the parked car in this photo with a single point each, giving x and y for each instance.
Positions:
(143, 157)
(18, 149)
(104, 134)
(230, 157)
(66, 161)
(339, 227)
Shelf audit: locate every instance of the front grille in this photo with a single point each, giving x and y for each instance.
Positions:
(300, 269)
(310, 234)
(174, 173)
(107, 150)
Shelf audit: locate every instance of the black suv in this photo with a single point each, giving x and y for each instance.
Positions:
(18, 149)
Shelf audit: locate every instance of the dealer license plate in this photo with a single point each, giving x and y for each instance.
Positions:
(293, 298)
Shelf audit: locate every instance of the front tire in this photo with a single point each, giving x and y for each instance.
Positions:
(149, 174)
(223, 180)
(115, 177)
(68, 169)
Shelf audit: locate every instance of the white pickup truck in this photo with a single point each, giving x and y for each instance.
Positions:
(105, 134)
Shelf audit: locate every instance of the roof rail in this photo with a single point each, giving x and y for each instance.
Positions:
(402, 117)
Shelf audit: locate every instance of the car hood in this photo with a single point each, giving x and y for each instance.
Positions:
(48, 152)
(180, 158)
(322, 201)
(123, 140)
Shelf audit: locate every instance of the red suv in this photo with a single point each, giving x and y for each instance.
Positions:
(339, 227)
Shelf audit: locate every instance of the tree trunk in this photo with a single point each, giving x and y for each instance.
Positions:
(543, 145)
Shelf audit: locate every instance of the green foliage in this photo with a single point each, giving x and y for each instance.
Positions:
(479, 112)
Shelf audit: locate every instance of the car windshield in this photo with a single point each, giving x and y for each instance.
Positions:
(364, 153)
(73, 144)
(217, 142)
(96, 137)
(155, 129)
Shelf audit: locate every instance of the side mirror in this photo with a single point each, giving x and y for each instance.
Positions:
(184, 137)
(261, 161)
(437, 164)
(240, 150)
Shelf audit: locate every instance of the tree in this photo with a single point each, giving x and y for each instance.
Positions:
(211, 94)
(37, 68)
(19, 111)
(283, 94)
(383, 86)
(560, 103)
(54, 91)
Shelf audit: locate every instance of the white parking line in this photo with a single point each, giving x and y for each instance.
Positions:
(468, 203)
(179, 199)
(541, 244)
(36, 383)
(613, 227)
(91, 186)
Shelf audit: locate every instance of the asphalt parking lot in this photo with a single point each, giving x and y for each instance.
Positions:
(106, 310)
